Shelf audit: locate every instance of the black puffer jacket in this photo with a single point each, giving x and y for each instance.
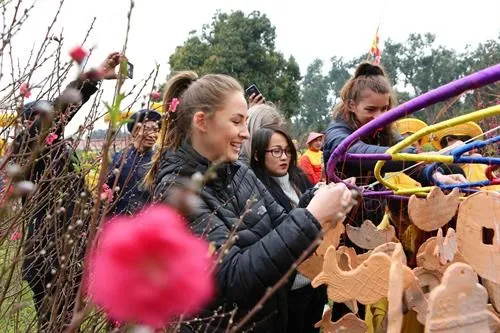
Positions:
(269, 240)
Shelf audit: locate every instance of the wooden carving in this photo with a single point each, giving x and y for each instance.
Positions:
(395, 293)
(416, 300)
(478, 233)
(436, 252)
(459, 303)
(354, 259)
(435, 210)
(347, 324)
(367, 283)
(368, 236)
(494, 321)
(493, 292)
(311, 267)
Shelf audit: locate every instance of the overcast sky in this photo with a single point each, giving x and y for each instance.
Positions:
(304, 29)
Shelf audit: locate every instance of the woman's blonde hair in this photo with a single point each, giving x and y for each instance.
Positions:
(208, 94)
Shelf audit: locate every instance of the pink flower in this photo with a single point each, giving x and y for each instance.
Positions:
(49, 139)
(155, 95)
(173, 105)
(149, 268)
(25, 90)
(78, 54)
(16, 235)
(107, 193)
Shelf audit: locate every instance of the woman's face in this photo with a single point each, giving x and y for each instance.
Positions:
(278, 156)
(227, 129)
(370, 106)
(316, 144)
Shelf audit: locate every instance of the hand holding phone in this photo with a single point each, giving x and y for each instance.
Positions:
(254, 96)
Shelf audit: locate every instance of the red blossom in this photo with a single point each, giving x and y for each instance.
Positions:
(25, 90)
(159, 269)
(173, 105)
(78, 54)
(155, 95)
(16, 235)
(107, 193)
(51, 138)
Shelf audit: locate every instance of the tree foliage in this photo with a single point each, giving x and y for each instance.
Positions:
(243, 46)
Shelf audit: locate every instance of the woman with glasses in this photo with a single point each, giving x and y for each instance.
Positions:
(274, 161)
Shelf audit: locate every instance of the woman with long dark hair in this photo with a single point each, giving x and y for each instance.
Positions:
(274, 161)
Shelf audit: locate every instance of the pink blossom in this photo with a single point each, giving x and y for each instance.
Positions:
(51, 138)
(107, 193)
(173, 105)
(155, 95)
(25, 90)
(16, 235)
(78, 54)
(149, 268)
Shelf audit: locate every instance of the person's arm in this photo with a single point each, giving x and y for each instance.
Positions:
(245, 273)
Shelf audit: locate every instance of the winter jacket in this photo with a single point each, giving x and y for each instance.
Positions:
(132, 195)
(54, 189)
(311, 163)
(268, 240)
(372, 209)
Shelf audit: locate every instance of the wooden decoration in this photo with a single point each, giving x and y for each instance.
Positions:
(368, 236)
(494, 319)
(478, 233)
(416, 300)
(435, 210)
(354, 259)
(434, 252)
(367, 283)
(459, 303)
(428, 280)
(389, 248)
(395, 293)
(493, 292)
(347, 324)
(312, 266)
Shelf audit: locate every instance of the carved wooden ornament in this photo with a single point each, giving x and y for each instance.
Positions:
(435, 211)
(312, 266)
(349, 323)
(478, 233)
(493, 292)
(416, 300)
(437, 253)
(494, 321)
(395, 293)
(459, 303)
(368, 236)
(367, 283)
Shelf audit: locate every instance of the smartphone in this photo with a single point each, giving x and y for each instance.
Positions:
(252, 90)
(130, 70)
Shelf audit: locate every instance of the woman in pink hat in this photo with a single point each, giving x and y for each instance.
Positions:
(312, 160)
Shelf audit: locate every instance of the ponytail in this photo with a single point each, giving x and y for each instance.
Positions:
(185, 94)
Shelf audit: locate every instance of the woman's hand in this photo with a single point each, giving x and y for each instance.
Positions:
(331, 203)
(108, 67)
(449, 179)
(255, 100)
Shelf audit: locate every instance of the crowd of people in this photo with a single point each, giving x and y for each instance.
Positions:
(209, 124)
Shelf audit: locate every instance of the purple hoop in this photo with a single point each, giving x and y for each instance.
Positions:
(473, 81)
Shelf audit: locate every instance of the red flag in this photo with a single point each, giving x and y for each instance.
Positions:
(374, 50)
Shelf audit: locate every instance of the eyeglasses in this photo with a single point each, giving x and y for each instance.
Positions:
(153, 129)
(278, 152)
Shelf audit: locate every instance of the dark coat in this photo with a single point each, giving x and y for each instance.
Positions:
(268, 240)
(132, 195)
(46, 222)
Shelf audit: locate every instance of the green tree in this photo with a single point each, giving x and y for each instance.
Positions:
(316, 103)
(243, 46)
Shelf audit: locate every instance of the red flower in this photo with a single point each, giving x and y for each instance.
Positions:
(78, 54)
(159, 270)
(107, 193)
(49, 139)
(173, 105)
(25, 90)
(155, 95)
(16, 235)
